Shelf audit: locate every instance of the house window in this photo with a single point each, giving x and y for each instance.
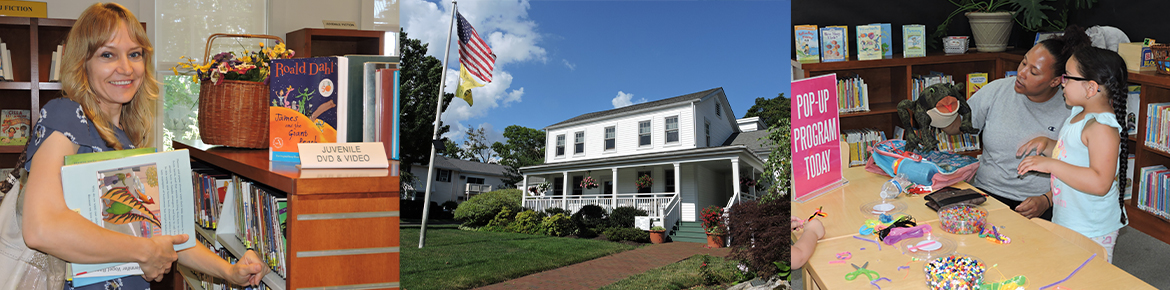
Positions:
(443, 175)
(669, 180)
(707, 129)
(610, 137)
(577, 189)
(718, 110)
(475, 180)
(672, 129)
(608, 187)
(558, 186)
(646, 189)
(643, 133)
(579, 142)
(561, 145)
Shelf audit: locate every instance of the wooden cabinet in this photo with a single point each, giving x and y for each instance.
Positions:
(342, 231)
(314, 42)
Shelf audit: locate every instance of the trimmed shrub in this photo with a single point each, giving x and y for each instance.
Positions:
(556, 210)
(586, 233)
(526, 222)
(501, 221)
(590, 216)
(623, 217)
(627, 234)
(557, 225)
(482, 208)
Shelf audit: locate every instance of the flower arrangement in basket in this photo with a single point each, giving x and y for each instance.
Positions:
(644, 181)
(233, 92)
(540, 188)
(713, 220)
(589, 183)
(747, 182)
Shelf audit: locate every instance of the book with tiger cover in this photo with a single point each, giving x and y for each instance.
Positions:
(135, 192)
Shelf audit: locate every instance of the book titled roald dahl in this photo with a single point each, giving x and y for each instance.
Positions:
(308, 103)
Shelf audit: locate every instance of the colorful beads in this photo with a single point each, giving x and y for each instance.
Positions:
(991, 233)
(954, 272)
(962, 219)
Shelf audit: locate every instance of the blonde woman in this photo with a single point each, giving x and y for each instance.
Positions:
(110, 89)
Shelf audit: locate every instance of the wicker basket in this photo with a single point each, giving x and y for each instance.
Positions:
(234, 113)
(1161, 52)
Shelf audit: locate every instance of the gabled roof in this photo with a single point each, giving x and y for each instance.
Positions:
(470, 166)
(635, 107)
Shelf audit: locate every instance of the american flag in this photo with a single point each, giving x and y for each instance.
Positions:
(474, 53)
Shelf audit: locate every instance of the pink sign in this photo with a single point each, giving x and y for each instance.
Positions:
(816, 133)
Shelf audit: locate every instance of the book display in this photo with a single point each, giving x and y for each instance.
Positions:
(309, 99)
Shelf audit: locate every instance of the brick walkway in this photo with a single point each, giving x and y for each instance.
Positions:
(606, 270)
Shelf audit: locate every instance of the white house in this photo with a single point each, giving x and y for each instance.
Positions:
(459, 180)
(691, 146)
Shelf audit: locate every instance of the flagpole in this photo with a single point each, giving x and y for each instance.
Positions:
(422, 233)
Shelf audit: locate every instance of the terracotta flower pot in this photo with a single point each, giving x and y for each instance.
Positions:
(657, 237)
(714, 240)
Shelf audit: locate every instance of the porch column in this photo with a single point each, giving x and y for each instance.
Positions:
(565, 191)
(524, 190)
(735, 177)
(614, 184)
(677, 188)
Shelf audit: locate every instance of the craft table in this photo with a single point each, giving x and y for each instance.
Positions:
(1038, 254)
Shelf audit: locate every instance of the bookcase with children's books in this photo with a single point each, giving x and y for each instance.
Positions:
(320, 230)
(1150, 146)
(891, 80)
(27, 59)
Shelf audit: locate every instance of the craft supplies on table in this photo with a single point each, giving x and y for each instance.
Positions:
(962, 219)
(954, 272)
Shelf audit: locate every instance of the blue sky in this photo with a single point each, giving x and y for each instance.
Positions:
(560, 59)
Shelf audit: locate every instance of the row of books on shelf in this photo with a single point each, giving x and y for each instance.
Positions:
(5, 62)
(209, 282)
(1152, 193)
(874, 41)
(1158, 126)
(957, 143)
(261, 213)
(55, 65)
(921, 82)
(859, 142)
(852, 95)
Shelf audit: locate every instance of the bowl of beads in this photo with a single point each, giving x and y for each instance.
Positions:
(962, 219)
(954, 272)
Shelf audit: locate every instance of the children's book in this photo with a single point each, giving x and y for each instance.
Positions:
(134, 192)
(887, 40)
(975, 81)
(362, 95)
(807, 43)
(389, 106)
(1010, 73)
(1133, 100)
(913, 40)
(309, 103)
(15, 126)
(834, 43)
(869, 42)
(1129, 179)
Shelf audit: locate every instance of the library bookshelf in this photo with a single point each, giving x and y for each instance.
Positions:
(1155, 89)
(342, 232)
(315, 42)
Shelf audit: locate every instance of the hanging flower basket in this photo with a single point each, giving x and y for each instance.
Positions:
(645, 181)
(589, 183)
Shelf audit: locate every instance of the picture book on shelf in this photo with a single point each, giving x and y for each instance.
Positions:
(887, 40)
(390, 107)
(15, 126)
(975, 81)
(362, 95)
(1133, 100)
(308, 103)
(834, 43)
(869, 42)
(807, 43)
(913, 40)
(134, 192)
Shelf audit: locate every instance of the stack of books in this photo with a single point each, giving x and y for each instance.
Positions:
(1151, 195)
(859, 143)
(852, 95)
(211, 188)
(1158, 126)
(55, 65)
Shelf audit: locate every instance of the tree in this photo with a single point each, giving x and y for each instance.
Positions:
(525, 147)
(475, 147)
(770, 110)
(420, 78)
(451, 150)
(780, 160)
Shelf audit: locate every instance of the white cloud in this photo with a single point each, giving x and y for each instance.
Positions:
(623, 99)
(571, 66)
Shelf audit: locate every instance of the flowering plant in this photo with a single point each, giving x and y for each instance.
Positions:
(540, 188)
(589, 183)
(747, 182)
(713, 220)
(644, 181)
(251, 66)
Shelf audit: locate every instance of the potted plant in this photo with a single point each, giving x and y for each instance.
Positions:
(713, 225)
(657, 235)
(991, 20)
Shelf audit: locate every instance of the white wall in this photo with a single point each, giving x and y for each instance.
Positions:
(626, 135)
(71, 9)
(721, 127)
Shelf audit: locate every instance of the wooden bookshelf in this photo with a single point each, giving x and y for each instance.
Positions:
(341, 232)
(314, 42)
(1155, 89)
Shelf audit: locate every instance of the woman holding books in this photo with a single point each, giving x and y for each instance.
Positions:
(1012, 111)
(110, 96)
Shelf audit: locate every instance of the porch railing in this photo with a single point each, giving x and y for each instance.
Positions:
(673, 213)
(655, 204)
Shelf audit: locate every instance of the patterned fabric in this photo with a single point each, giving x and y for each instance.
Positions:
(1090, 215)
(1108, 241)
(127, 283)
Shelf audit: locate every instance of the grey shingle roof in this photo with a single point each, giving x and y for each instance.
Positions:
(749, 139)
(635, 107)
(470, 166)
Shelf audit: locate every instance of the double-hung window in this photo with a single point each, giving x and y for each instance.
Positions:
(561, 145)
(643, 133)
(610, 137)
(579, 142)
(672, 129)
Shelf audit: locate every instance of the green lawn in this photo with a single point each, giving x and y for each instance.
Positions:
(683, 274)
(455, 259)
